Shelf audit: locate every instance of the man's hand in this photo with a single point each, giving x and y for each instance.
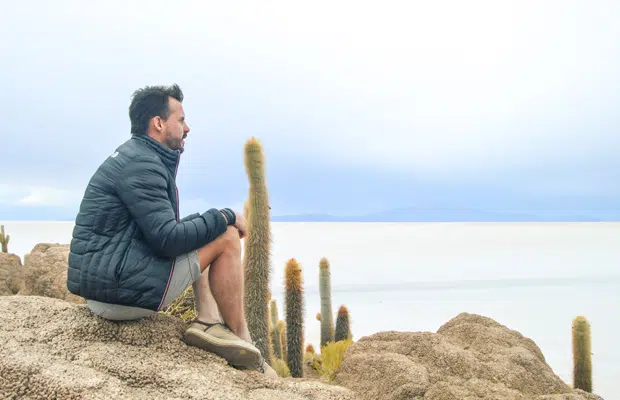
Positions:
(241, 225)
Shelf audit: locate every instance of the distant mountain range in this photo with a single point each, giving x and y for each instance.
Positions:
(407, 214)
(415, 214)
(474, 284)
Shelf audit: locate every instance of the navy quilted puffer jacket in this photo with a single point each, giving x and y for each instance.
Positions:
(128, 232)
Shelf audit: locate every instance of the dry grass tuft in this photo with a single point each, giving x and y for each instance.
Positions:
(331, 356)
(183, 306)
(281, 368)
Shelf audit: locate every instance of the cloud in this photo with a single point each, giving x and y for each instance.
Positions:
(429, 88)
(435, 88)
(35, 196)
(346, 99)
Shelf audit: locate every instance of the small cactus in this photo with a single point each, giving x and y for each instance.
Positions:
(4, 240)
(257, 249)
(327, 316)
(343, 327)
(275, 335)
(273, 313)
(281, 329)
(310, 349)
(582, 355)
(294, 318)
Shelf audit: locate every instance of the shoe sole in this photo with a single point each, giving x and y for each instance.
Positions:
(236, 353)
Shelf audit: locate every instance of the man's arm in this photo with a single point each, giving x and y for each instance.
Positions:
(190, 217)
(144, 190)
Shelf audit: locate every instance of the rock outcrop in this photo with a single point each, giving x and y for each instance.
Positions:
(470, 357)
(45, 272)
(11, 274)
(53, 349)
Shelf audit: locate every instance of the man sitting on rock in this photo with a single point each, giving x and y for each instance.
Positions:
(132, 256)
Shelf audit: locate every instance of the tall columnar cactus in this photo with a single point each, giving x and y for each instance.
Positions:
(582, 355)
(257, 250)
(246, 210)
(294, 318)
(275, 334)
(343, 325)
(4, 239)
(327, 316)
(281, 327)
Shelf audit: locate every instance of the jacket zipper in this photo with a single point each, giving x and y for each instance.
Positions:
(176, 170)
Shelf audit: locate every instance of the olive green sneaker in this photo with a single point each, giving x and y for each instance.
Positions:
(220, 340)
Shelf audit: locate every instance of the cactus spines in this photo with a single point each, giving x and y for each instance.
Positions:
(327, 316)
(4, 239)
(275, 334)
(343, 327)
(257, 249)
(294, 318)
(246, 210)
(310, 349)
(582, 355)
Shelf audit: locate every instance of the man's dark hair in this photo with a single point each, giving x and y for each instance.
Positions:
(149, 102)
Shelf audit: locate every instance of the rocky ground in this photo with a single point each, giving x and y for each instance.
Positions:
(52, 347)
(470, 357)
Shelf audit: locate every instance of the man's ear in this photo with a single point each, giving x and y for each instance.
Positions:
(158, 123)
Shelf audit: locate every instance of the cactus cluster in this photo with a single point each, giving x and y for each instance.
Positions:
(342, 331)
(280, 341)
(4, 239)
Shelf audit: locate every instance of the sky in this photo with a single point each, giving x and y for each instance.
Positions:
(509, 106)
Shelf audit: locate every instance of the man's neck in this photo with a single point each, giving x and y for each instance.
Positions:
(156, 136)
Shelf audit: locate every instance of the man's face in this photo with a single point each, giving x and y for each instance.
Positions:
(174, 128)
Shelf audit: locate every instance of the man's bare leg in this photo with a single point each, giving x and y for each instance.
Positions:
(206, 306)
(222, 287)
(225, 279)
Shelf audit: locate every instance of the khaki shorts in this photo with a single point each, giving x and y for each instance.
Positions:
(186, 270)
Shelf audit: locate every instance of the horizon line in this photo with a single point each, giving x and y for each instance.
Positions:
(367, 222)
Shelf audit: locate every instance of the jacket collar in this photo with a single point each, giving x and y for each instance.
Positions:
(168, 156)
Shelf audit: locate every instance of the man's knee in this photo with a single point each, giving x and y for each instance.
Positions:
(227, 243)
(232, 241)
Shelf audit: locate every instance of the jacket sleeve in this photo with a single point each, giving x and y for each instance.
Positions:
(143, 188)
(190, 217)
